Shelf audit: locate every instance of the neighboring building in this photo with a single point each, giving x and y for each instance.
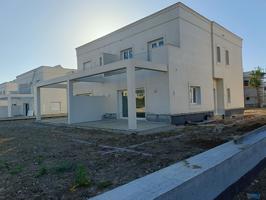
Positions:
(16, 97)
(250, 93)
(172, 66)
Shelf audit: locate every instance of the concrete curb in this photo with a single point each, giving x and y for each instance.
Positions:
(202, 177)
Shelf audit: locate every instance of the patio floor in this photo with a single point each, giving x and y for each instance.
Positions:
(118, 125)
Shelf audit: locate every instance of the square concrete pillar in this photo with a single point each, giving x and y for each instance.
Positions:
(131, 98)
(37, 103)
(9, 106)
(69, 100)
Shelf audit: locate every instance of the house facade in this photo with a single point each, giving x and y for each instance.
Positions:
(16, 97)
(172, 66)
(250, 93)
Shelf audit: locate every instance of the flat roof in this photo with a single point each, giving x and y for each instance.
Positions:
(176, 5)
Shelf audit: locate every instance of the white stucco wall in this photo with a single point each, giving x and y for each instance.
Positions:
(232, 74)
(190, 65)
(87, 108)
(50, 96)
(135, 36)
(7, 88)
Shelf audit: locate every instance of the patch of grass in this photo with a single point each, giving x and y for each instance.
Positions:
(16, 169)
(81, 178)
(41, 172)
(104, 184)
(64, 166)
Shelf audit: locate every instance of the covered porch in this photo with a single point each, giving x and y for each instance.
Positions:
(87, 108)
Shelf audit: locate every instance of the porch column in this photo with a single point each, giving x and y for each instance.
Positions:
(37, 103)
(9, 106)
(131, 98)
(69, 100)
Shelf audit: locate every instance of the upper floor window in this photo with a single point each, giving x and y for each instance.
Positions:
(227, 57)
(126, 54)
(218, 54)
(101, 61)
(156, 43)
(195, 95)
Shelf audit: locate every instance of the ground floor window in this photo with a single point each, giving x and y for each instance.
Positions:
(195, 95)
(228, 91)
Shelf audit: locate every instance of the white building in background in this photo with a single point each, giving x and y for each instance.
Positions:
(250, 93)
(16, 97)
(172, 66)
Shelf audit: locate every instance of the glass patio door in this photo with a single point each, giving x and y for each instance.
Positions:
(140, 103)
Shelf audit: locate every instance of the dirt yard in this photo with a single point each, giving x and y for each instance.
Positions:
(40, 161)
(257, 186)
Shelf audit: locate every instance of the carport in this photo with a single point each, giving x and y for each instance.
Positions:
(77, 111)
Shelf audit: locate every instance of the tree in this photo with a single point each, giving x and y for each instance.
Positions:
(255, 81)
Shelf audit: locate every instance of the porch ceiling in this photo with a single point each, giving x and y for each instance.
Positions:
(112, 68)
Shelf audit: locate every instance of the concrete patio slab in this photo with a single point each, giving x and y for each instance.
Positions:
(119, 125)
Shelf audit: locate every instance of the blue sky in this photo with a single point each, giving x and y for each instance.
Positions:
(46, 32)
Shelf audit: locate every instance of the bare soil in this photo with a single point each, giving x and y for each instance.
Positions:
(39, 161)
(258, 185)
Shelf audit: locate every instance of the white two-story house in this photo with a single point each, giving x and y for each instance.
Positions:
(16, 97)
(172, 66)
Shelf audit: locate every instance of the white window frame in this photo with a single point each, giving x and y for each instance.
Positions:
(195, 95)
(156, 43)
(126, 54)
